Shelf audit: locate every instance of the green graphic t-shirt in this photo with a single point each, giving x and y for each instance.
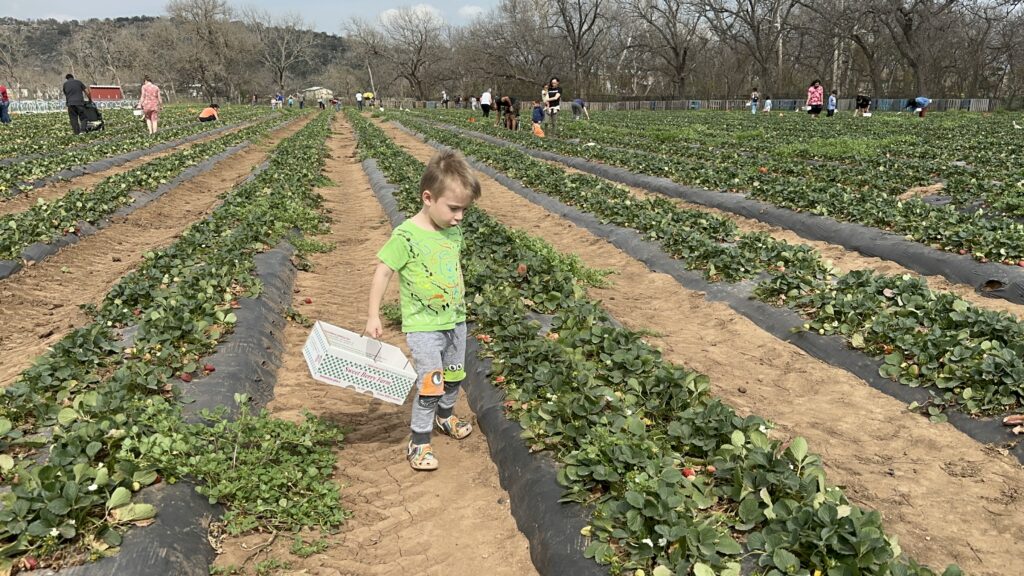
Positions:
(430, 273)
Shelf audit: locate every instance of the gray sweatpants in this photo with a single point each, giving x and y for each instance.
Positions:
(439, 358)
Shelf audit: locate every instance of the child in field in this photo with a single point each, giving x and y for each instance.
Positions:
(832, 104)
(767, 103)
(424, 250)
(537, 118)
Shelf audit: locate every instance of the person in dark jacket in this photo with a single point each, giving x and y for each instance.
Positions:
(76, 93)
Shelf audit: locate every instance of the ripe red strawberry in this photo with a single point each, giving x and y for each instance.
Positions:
(1021, 263)
(962, 251)
(689, 473)
(186, 377)
(521, 270)
(208, 368)
(30, 562)
(308, 300)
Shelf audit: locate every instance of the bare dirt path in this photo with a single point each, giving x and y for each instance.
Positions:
(57, 189)
(40, 304)
(946, 497)
(452, 522)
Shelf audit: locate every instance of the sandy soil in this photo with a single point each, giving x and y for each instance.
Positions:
(946, 497)
(454, 521)
(58, 189)
(40, 304)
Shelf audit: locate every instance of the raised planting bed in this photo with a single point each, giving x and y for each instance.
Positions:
(675, 481)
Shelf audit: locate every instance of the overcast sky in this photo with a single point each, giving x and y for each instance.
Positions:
(324, 15)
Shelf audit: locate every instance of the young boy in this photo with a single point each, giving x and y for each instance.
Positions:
(832, 104)
(424, 250)
(537, 117)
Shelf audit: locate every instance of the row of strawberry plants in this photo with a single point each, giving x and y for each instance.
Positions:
(47, 219)
(969, 357)
(676, 481)
(34, 133)
(941, 142)
(107, 410)
(50, 133)
(19, 176)
(889, 175)
(819, 190)
(888, 155)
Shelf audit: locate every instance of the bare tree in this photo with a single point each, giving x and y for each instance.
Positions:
(672, 28)
(907, 22)
(201, 47)
(756, 27)
(409, 41)
(513, 43)
(281, 43)
(581, 22)
(13, 50)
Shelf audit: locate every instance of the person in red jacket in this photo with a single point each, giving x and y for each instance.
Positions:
(5, 104)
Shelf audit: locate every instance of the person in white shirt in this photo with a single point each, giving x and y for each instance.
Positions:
(485, 102)
(359, 100)
(767, 104)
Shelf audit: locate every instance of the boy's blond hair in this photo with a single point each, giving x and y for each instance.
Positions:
(444, 169)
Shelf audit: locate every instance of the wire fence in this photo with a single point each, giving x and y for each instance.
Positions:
(44, 106)
(879, 105)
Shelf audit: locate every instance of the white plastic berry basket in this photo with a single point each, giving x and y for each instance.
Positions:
(342, 358)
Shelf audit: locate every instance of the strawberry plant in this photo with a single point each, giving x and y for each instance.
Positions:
(103, 408)
(968, 357)
(675, 480)
(18, 176)
(854, 193)
(47, 219)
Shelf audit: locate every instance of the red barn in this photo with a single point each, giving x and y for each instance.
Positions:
(106, 93)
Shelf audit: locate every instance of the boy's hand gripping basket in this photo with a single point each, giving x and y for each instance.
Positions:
(342, 358)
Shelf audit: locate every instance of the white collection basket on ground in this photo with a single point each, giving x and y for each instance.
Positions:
(342, 358)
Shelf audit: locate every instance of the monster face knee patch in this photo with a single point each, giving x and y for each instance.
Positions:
(454, 373)
(433, 383)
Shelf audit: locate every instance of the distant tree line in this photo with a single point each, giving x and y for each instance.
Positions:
(646, 49)
(600, 49)
(202, 49)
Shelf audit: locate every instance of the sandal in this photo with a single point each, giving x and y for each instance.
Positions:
(421, 457)
(452, 426)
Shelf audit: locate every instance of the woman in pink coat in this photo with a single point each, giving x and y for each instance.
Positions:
(815, 98)
(149, 102)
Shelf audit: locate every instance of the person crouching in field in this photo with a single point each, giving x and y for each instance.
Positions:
(424, 250)
(863, 105)
(210, 113)
(919, 104)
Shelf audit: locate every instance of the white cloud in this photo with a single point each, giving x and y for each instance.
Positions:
(425, 11)
(470, 11)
